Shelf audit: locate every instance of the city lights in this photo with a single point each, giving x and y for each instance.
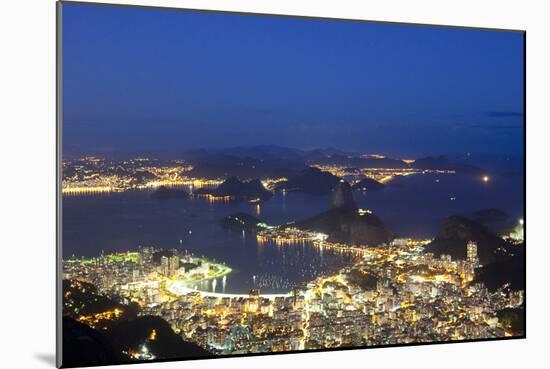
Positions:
(373, 300)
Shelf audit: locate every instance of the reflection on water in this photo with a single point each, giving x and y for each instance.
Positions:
(274, 268)
(409, 206)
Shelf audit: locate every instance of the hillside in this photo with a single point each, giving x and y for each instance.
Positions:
(455, 233)
(239, 190)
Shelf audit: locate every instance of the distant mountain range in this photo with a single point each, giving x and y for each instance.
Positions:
(225, 166)
(276, 161)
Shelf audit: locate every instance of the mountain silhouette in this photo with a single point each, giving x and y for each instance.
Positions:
(344, 223)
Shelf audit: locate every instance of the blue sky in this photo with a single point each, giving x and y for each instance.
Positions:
(137, 79)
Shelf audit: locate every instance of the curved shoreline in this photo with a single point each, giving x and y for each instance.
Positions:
(177, 288)
(224, 270)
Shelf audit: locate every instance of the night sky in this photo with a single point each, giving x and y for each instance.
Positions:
(150, 80)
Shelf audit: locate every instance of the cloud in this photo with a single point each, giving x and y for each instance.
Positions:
(496, 127)
(489, 126)
(503, 114)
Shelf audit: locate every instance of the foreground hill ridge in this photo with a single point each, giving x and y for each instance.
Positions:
(113, 341)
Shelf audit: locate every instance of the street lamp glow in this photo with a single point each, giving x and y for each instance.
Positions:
(521, 221)
(485, 179)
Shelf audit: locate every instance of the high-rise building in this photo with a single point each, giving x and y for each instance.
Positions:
(169, 265)
(173, 265)
(135, 275)
(164, 265)
(146, 254)
(471, 253)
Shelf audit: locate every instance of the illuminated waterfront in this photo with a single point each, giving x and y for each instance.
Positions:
(141, 220)
(271, 286)
(279, 288)
(392, 294)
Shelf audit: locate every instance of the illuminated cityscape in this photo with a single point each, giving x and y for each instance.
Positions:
(92, 175)
(382, 175)
(392, 293)
(237, 184)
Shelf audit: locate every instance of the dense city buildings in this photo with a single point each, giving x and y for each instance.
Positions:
(394, 292)
(92, 175)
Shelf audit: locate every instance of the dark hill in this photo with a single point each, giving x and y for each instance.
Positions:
(241, 221)
(363, 279)
(164, 192)
(239, 190)
(80, 298)
(368, 184)
(513, 320)
(85, 346)
(348, 226)
(496, 220)
(163, 343)
(104, 344)
(455, 233)
(345, 223)
(311, 180)
(507, 271)
(342, 198)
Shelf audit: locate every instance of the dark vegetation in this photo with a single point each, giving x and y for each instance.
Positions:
(107, 343)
